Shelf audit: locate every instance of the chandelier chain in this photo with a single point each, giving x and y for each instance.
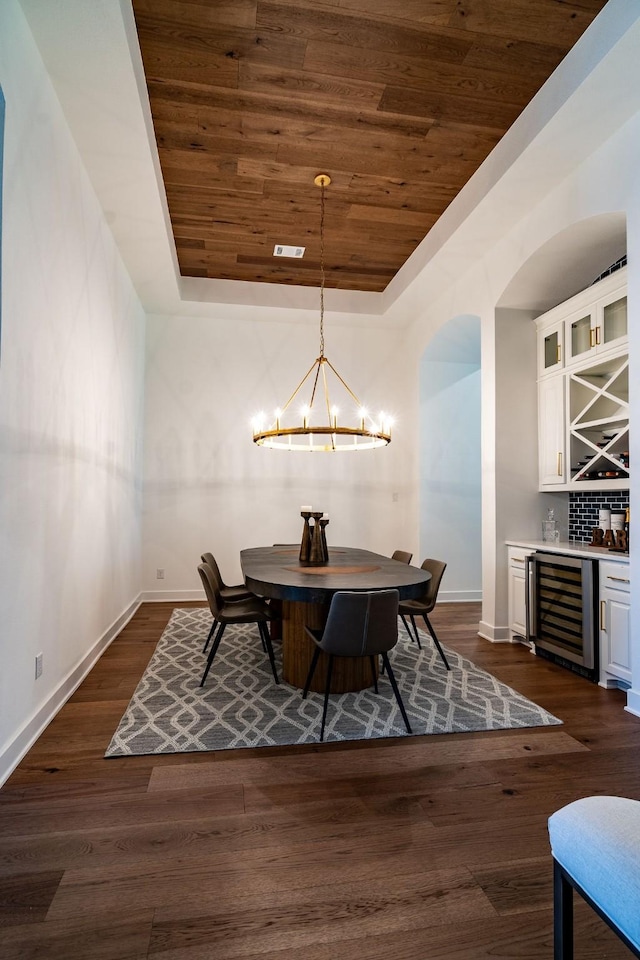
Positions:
(322, 269)
(313, 435)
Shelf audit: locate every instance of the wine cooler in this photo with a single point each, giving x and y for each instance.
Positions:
(561, 601)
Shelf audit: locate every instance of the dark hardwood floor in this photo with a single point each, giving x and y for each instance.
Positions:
(409, 849)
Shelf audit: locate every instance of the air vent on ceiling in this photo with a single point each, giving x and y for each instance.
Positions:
(280, 250)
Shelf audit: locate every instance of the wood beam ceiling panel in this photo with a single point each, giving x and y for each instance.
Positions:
(400, 104)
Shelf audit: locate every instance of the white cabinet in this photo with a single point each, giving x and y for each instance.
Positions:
(599, 326)
(517, 593)
(583, 390)
(586, 327)
(551, 347)
(551, 431)
(599, 420)
(615, 623)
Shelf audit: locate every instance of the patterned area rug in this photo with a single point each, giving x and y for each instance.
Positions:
(241, 706)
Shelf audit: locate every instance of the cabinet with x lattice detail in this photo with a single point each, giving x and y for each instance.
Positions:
(599, 421)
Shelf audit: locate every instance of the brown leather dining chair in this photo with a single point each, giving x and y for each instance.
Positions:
(358, 625)
(402, 556)
(422, 606)
(230, 594)
(253, 610)
(238, 591)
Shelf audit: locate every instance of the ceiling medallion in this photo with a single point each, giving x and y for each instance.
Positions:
(318, 429)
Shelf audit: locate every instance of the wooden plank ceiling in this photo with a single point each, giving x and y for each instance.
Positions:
(399, 101)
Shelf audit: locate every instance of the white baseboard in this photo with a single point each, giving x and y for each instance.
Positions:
(459, 596)
(633, 702)
(170, 596)
(27, 736)
(494, 634)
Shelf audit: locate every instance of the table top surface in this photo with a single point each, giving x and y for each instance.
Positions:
(277, 572)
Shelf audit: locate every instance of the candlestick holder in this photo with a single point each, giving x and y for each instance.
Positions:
(325, 550)
(316, 554)
(305, 543)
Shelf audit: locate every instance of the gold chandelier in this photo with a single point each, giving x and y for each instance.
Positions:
(313, 433)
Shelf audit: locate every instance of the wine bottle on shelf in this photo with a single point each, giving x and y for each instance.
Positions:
(626, 526)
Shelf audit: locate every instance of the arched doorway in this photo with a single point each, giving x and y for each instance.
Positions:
(569, 261)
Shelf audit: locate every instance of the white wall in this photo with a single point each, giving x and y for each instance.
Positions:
(450, 457)
(71, 378)
(605, 182)
(467, 276)
(70, 399)
(208, 487)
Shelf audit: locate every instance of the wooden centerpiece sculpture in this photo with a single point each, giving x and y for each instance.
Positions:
(313, 546)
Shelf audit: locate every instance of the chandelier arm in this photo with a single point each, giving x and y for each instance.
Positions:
(300, 385)
(319, 363)
(326, 393)
(343, 382)
(328, 404)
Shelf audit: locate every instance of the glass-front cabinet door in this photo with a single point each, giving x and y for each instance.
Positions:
(550, 348)
(581, 336)
(597, 330)
(613, 322)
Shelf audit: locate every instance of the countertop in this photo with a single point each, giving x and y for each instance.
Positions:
(570, 548)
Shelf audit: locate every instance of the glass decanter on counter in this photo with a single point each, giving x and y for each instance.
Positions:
(550, 530)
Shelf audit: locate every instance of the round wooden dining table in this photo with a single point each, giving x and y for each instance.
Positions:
(305, 593)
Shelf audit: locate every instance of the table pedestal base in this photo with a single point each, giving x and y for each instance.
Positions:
(348, 673)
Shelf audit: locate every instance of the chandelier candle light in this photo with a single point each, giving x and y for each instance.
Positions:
(312, 434)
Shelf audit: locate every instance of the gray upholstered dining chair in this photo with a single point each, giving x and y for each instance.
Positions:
(423, 606)
(402, 556)
(358, 625)
(253, 610)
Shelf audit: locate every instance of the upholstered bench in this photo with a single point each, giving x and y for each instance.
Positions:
(595, 844)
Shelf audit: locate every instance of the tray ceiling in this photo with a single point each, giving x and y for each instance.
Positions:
(250, 100)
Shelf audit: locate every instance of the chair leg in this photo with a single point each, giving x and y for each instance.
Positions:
(562, 915)
(312, 670)
(213, 626)
(327, 687)
(436, 641)
(415, 630)
(372, 661)
(394, 685)
(214, 650)
(406, 626)
(266, 643)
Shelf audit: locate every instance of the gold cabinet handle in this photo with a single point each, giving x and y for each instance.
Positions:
(592, 337)
(603, 614)
(517, 560)
(559, 464)
(619, 579)
(558, 354)
(597, 335)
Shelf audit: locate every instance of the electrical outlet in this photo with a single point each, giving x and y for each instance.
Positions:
(38, 665)
(160, 573)
(395, 497)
